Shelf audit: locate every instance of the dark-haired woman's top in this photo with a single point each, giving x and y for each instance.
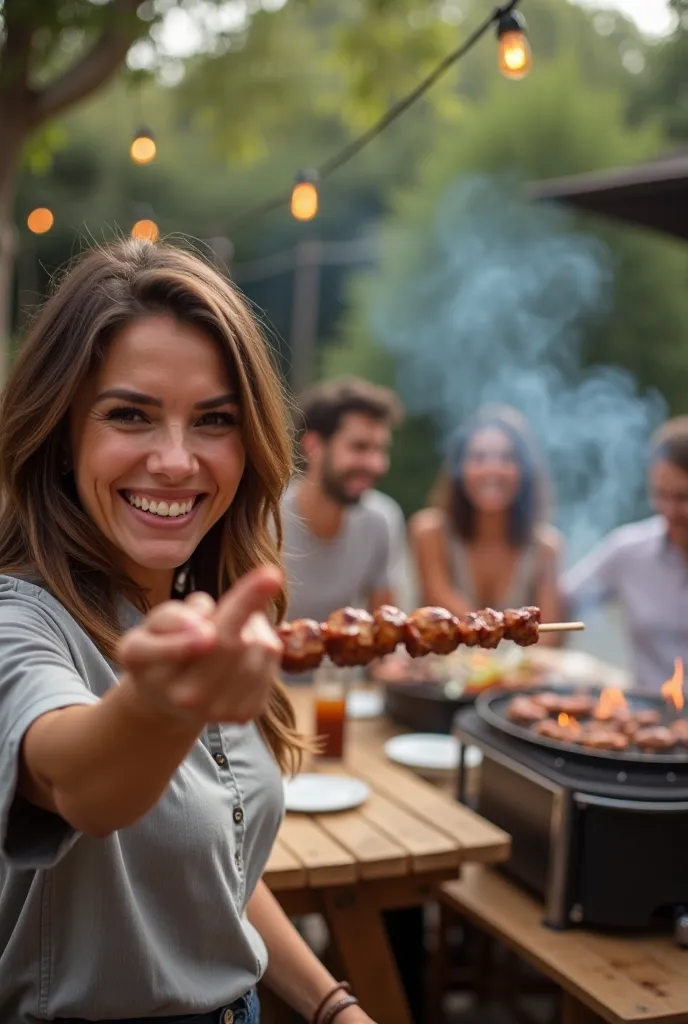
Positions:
(151, 920)
(523, 588)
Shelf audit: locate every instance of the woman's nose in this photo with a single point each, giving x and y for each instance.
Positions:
(173, 457)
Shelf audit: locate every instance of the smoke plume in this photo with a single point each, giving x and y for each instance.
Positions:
(489, 302)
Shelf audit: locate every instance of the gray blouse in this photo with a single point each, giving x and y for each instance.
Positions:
(151, 920)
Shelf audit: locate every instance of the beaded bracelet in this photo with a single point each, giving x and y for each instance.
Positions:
(342, 986)
(337, 1008)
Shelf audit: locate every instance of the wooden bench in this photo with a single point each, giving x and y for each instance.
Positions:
(603, 977)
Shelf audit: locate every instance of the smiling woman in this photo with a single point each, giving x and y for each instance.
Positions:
(144, 449)
(484, 541)
(157, 462)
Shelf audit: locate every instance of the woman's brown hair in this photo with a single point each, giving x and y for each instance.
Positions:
(44, 530)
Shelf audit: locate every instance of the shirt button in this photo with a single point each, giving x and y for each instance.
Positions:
(237, 859)
(228, 1017)
(221, 760)
(238, 815)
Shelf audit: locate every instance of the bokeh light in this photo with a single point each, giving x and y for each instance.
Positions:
(40, 220)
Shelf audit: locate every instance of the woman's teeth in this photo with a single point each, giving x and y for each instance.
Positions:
(162, 508)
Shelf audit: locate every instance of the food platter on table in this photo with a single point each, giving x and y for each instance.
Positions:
(425, 693)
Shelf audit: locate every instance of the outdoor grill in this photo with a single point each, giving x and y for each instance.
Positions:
(601, 837)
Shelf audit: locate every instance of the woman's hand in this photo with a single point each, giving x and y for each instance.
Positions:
(202, 661)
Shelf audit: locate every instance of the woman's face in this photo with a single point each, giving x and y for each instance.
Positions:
(491, 474)
(157, 447)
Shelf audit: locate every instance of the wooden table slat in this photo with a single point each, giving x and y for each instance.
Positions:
(622, 979)
(479, 839)
(427, 847)
(325, 860)
(378, 855)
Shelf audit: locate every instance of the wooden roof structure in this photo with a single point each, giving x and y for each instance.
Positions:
(653, 194)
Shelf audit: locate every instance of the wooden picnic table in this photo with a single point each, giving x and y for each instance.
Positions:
(637, 979)
(393, 851)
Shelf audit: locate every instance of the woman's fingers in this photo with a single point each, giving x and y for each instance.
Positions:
(202, 603)
(140, 647)
(259, 632)
(179, 616)
(250, 594)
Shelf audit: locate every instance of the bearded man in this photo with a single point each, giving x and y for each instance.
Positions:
(338, 543)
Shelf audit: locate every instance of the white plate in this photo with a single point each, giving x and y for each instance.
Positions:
(430, 751)
(364, 704)
(320, 794)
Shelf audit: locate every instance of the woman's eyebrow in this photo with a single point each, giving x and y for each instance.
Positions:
(125, 395)
(128, 396)
(230, 398)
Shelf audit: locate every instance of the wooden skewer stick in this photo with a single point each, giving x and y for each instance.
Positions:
(561, 627)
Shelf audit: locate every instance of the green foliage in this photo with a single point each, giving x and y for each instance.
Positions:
(41, 148)
(61, 32)
(662, 92)
(348, 62)
(194, 189)
(553, 123)
(239, 97)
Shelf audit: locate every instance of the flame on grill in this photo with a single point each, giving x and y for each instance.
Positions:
(672, 690)
(611, 701)
(568, 722)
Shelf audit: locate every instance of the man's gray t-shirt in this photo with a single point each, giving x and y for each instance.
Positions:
(323, 575)
(400, 574)
(151, 920)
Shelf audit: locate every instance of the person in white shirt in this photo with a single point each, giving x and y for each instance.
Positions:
(643, 567)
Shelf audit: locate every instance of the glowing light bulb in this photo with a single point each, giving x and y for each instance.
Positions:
(146, 230)
(304, 197)
(143, 149)
(514, 55)
(40, 220)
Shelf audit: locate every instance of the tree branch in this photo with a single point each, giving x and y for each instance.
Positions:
(94, 68)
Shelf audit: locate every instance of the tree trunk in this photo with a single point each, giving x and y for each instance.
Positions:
(24, 108)
(11, 141)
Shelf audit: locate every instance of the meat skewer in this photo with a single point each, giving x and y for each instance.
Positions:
(354, 637)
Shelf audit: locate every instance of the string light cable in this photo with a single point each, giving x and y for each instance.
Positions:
(504, 14)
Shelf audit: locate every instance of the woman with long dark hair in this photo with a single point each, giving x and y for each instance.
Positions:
(144, 450)
(483, 541)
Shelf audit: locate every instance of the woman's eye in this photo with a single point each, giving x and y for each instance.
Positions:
(219, 419)
(126, 414)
